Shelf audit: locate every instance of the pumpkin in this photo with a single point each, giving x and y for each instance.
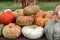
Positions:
(32, 32)
(39, 14)
(51, 12)
(51, 29)
(1, 28)
(7, 10)
(36, 7)
(18, 12)
(42, 17)
(57, 9)
(55, 16)
(7, 17)
(40, 21)
(24, 20)
(11, 31)
(30, 10)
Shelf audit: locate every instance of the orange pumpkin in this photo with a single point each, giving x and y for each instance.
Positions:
(39, 14)
(40, 21)
(42, 17)
(7, 17)
(11, 31)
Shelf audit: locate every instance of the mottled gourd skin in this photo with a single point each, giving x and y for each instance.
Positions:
(11, 31)
(24, 20)
(31, 10)
(1, 28)
(51, 29)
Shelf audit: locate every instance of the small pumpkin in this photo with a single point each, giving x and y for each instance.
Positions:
(7, 17)
(51, 12)
(1, 28)
(51, 29)
(11, 31)
(32, 32)
(42, 17)
(24, 20)
(18, 12)
(55, 16)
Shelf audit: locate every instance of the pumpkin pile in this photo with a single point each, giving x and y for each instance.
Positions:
(31, 22)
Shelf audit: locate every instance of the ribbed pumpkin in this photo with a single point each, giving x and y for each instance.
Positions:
(52, 29)
(24, 20)
(42, 17)
(18, 12)
(11, 31)
(7, 17)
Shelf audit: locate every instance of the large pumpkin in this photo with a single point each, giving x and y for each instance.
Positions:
(7, 17)
(18, 12)
(42, 17)
(30, 10)
(24, 20)
(11, 31)
(32, 32)
(52, 29)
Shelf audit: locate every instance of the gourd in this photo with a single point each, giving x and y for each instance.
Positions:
(11, 31)
(32, 32)
(51, 29)
(24, 20)
(42, 17)
(31, 10)
(18, 12)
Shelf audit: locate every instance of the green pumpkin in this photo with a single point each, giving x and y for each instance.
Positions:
(1, 28)
(52, 29)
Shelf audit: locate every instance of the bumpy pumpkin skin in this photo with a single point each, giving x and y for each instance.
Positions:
(11, 31)
(7, 17)
(18, 12)
(24, 20)
(51, 29)
(1, 28)
(40, 21)
(39, 14)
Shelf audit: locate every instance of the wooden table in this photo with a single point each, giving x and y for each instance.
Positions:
(23, 38)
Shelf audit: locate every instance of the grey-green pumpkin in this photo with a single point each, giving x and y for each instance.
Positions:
(1, 28)
(52, 29)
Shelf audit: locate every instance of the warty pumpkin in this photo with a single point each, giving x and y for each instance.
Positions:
(11, 31)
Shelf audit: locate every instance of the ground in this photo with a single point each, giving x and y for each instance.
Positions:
(42, 5)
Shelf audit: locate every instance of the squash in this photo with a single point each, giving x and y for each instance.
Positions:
(51, 12)
(1, 28)
(42, 17)
(7, 17)
(18, 12)
(31, 10)
(51, 29)
(11, 31)
(24, 20)
(32, 32)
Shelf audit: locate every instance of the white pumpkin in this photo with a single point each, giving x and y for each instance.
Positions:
(59, 13)
(32, 32)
